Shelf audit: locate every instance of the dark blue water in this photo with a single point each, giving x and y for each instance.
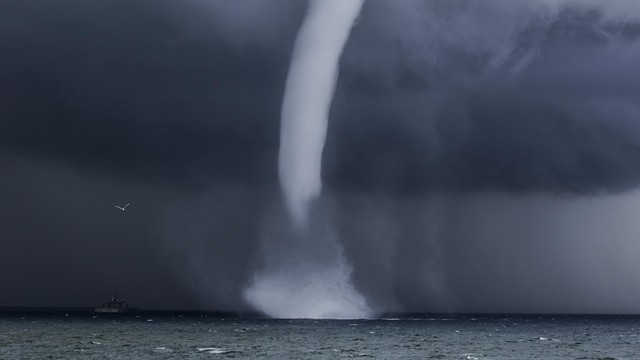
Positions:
(206, 337)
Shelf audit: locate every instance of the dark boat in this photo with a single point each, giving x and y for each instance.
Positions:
(115, 305)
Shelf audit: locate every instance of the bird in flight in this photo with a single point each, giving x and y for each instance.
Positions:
(121, 207)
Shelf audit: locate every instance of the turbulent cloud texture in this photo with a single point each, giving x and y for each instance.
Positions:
(474, 149)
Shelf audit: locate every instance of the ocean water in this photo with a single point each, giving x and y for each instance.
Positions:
(207, 337)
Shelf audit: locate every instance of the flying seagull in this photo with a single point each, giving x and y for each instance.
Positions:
(121, 207)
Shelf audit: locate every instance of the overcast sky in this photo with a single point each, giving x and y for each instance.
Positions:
(481, 155)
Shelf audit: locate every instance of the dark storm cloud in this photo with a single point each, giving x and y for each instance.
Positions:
(174, 106)
(454, 96)
(141, 88)
(551, 107)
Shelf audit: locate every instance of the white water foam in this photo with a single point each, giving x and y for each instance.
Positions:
(323, 293)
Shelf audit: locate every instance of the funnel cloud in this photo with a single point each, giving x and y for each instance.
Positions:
(323, 290)
(307, 98)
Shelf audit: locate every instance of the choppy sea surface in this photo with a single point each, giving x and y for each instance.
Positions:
(177, 336)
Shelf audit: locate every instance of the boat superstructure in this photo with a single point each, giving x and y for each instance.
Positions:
(115, 305)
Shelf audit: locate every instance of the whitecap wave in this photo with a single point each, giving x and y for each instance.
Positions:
(213, 350)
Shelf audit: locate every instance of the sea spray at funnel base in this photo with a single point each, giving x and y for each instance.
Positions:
(305, 273)
(298, 291)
